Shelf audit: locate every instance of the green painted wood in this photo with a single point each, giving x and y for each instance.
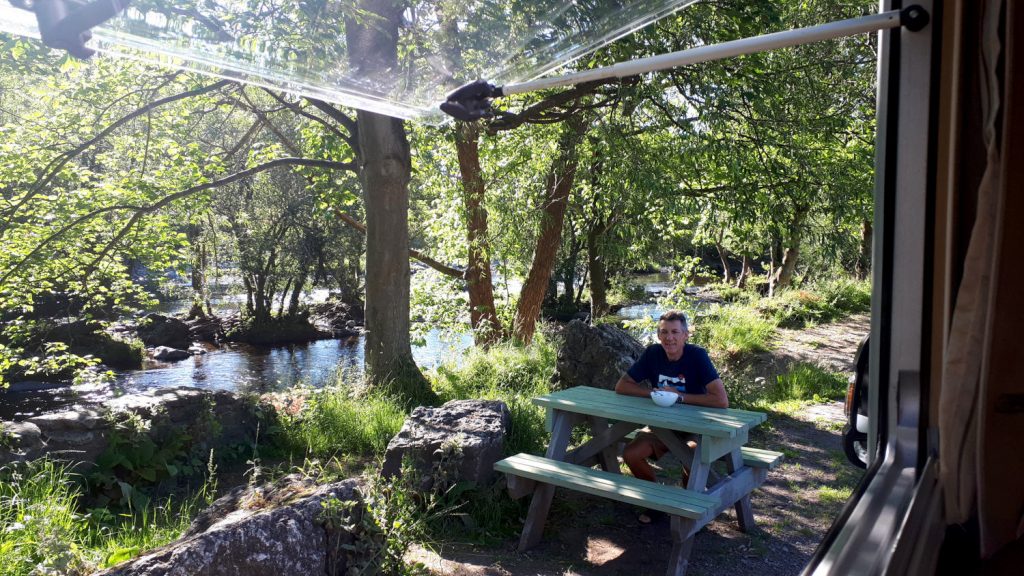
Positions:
(715, 422)
(668, 499)
(760, 458)
(714, 448)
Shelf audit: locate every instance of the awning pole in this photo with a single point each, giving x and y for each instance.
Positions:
(473, 98)
(713, 52)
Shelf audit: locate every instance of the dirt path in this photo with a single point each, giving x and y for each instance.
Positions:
(793, 509)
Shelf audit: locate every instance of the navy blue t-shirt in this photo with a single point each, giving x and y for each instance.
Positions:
(693, 370)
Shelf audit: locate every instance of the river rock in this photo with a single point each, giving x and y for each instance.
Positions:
(20, 442)
(594, 356)
(206, 328)
(337, 317)
(266, 531)
(212, 419)
(476, 427)
(168, 354)
(159, 330)
(77, 435)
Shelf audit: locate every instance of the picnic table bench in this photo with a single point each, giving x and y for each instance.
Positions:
(719, 434)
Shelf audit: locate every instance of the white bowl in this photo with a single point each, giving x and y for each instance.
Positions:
(664, 398)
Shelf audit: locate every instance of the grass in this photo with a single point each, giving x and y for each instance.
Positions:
(46, 531)
(337, 421)
(832, 495)
(734, 330)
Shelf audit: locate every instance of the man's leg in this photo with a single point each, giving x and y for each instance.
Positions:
(636, 453)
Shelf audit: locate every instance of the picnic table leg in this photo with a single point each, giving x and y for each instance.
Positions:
(682, 546)
(608, 457)
(699, 470)
(744, 513)
(541, 503)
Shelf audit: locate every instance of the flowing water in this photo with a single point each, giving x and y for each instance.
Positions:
(255, 369)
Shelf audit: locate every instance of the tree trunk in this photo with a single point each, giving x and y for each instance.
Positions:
(487, 327)
(866, 238)
(385, 179)
(385, 168)
(784, 275)
(293, 303)
(723, 255)
(598, 274)
(741, 281)
(558, 184)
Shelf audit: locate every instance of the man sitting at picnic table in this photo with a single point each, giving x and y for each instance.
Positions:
(670, 365)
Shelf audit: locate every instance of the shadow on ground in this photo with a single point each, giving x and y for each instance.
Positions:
(593, 536)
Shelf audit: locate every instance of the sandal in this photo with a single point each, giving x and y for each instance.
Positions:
(648, 516)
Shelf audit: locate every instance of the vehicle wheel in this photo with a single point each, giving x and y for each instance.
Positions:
(855, 445)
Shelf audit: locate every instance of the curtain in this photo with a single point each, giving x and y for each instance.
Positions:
(981, 408)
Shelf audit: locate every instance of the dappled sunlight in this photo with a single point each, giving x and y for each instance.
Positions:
(602, 550)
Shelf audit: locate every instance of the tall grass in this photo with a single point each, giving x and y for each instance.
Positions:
(807, 382)
(823, 301)
(507, 372)
(337, 421)
(41, 527)
(44, 531)
(734, 330)
(801, 384)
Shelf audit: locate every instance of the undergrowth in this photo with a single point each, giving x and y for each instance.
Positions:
(46, 531)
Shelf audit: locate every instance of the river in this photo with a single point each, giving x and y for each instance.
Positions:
(254, 369)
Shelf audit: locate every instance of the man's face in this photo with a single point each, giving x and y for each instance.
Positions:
(672, 335)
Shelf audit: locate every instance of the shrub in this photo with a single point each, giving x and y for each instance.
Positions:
(624, 290)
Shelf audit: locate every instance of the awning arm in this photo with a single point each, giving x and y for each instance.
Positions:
(472, 101)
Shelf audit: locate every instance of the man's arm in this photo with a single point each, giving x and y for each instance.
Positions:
(715, 397)
(626, 385)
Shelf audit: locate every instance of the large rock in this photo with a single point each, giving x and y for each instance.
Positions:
(159, 330)
(88, 337)
(21, 441)
(168, 354)
(268, 531)
(476, 427)
(211, 419)
(77, 435)
(594, 356)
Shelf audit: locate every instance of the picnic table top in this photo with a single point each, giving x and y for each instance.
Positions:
(717, 422)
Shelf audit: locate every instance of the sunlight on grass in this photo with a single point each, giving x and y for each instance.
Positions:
(734, 330)
(336, 421)
(831, 495)
(45, 532)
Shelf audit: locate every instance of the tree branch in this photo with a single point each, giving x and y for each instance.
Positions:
(53, 168)
(140, 211)
(442, 268)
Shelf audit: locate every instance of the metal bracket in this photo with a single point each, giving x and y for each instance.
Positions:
(68, 24)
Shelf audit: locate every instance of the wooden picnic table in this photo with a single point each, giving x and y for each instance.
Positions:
(719, 433)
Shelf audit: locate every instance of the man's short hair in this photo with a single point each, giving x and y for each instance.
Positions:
(672, 315)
